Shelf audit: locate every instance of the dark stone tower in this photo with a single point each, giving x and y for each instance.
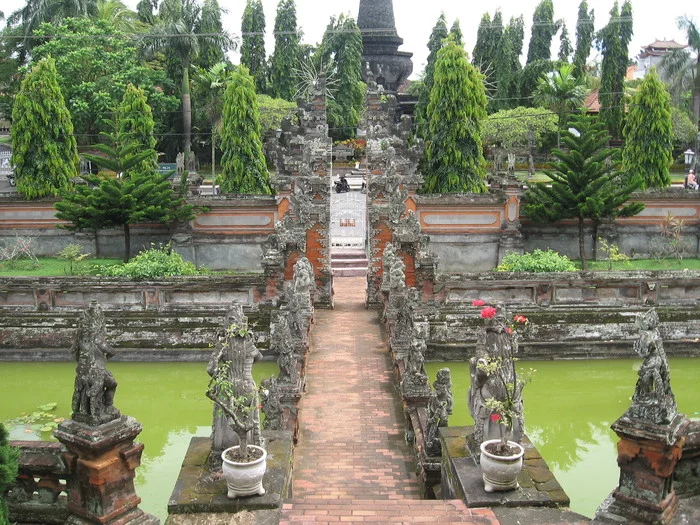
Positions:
(380, 56)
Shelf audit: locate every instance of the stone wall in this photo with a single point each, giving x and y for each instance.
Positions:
(172, 319)
(573, 315)
(687, 473)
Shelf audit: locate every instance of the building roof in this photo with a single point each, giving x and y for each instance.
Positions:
(592, 104)
(660, 48)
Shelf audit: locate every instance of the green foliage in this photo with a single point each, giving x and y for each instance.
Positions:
(95, 65)
(9, 463)
(44, 151)
(507, 66)
(585, 184)
(511, 128)
(543, 29)
(437, 36)
(537, 261)
(243, 161)
(670, 242)
(73, 254)
(585, 33)
(287, 55)
(211, 51)
(341, 49)
(456, 32)
(613, 252)
(136, 121)
(157, 261)
(565, 48)
(272, 112)
(454, 161)
(42, 419)
(684, 131)
(253, 43)
(530, 78)
(648, 151)
(615, 39)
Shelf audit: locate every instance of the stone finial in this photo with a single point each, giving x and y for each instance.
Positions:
(653, 399)
(397, 276)
(443, 389)
(388, 257)
(437, 417)
(95, 386)
(271, 405)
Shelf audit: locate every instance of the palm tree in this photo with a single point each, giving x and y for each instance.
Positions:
(181, 29)
(682, 66)
(118, 15)
(562, 92)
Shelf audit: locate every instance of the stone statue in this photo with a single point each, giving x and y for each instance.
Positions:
(653, 399)
(388, 257)
(443, 390)
(511, 163)
(414, 374)
(271, 406)
(437, 417)
(93, 395)
(397, 276)
(282, 342)
(496, 343)
(180, 163)
(231, 364)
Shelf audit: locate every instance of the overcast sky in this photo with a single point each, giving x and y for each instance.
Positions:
(416, 18)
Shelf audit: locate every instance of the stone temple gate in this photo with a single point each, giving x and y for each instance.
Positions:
(348, 220)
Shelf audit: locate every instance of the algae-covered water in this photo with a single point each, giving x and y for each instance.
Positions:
(569, 407)
(166, 398)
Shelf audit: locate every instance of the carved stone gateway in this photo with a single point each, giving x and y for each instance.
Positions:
(102, 456)
(651, 436)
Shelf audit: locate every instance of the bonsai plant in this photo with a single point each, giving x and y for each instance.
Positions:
(233, 391)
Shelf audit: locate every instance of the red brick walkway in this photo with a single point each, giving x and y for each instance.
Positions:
(351, 463)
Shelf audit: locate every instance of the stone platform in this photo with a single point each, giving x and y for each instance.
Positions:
(461, 477)
(198, 493)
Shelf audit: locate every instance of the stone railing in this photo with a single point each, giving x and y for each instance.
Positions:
(39, 495)
(574, 315)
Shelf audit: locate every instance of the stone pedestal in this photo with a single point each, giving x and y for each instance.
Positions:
(102, 461)
(647, 454)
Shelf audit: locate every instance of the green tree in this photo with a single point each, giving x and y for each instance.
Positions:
(181, 30)
(615, 39)
(211, 51)
(136, 121)
(519, 127)
(530, 78)
(44, 151)
(584, 186)
(286, 58)
(585, 33)
(565, 48)
(454, 161)
(682, 67)
(95, 63)
(253, 43)
(562, 92)
(341, 48)
(116, 14)
(437, 36)
(9, 462)
(132, 197)
(543, 29)
(648, 151)
(456, 32)
(146, 11)
(507, 66)
(684, 131)
(487, 49)
(243, 161)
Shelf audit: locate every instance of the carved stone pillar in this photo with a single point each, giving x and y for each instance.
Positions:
(102, 461)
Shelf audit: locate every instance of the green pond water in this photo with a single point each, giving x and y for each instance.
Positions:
(569, 409)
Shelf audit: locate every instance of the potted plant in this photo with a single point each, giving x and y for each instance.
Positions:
(233, 390)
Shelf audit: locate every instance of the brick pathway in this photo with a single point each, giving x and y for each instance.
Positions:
(351, 463)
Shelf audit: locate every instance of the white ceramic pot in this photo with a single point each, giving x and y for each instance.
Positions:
(244, 479)
(501, 472)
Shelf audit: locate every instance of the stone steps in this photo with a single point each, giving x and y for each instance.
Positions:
(349, 263)
(318, 510)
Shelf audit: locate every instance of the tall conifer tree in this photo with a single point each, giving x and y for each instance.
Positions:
(486, 50)
(211, 52)
(565, 48)
(243, 161)
(585, 33)
(456, 32)
(253, 43)
(44, 150)
(615, 42)
(508, 67)
(454, 161)
(287, 53)
(543, 29)
(648, 151)
(136, 119)
(437, 36)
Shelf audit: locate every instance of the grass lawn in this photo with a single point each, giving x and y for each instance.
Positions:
(644, 264)
(51, 267)
(677, 177)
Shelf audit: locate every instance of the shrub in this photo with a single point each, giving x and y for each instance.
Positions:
(537, 261)
(158, 261)
(73, 254)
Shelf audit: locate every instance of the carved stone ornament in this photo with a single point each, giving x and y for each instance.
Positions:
(271, 405)
(95, 386)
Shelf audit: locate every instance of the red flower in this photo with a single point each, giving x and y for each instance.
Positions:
(478, 302)
(509, 330)
(495, 417)
(488, 313)
(520, 319)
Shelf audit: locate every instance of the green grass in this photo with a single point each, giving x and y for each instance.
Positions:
(50, 267)
(644, 264)
(677, 177)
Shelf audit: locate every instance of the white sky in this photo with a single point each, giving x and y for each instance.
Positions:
(416, 18)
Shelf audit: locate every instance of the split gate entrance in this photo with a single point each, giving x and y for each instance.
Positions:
(348, 220)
